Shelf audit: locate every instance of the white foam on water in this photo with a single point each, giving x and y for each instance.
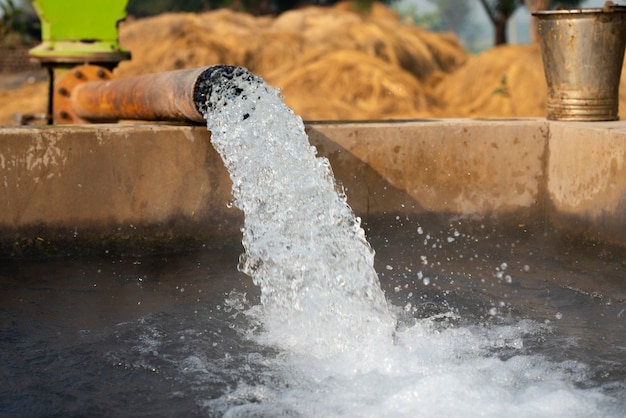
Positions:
(342, 352)
(430, 369)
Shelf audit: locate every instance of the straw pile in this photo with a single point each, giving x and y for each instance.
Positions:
(335, 63)
(330, 63)
(30, 98)
(503, 81)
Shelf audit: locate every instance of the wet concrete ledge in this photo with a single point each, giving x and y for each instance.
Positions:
(163, 187)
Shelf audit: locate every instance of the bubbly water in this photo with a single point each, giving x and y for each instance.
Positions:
(303, 245)
(341, 348)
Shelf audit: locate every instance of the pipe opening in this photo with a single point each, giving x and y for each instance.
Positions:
(223, 80)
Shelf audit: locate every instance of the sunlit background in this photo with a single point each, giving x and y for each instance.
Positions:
(332, 60)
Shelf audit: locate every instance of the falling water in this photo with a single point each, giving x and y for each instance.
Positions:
(303, 245)
(343, 350)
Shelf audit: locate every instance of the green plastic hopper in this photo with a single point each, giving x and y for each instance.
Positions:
(79, 31)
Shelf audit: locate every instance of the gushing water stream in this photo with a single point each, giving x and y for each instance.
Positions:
(303, 245)
(343, 351)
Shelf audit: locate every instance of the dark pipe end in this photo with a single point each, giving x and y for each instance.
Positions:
(224, 80)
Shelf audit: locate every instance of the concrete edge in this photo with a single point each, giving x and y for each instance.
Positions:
(160, 187)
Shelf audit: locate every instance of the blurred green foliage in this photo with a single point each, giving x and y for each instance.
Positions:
(18, 22)
(141, 8)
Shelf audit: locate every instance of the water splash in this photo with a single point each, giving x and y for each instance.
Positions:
(343, 350)
(303, 245)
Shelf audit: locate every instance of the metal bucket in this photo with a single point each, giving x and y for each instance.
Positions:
(583, 53)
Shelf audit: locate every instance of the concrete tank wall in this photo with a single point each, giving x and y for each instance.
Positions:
(586, 179)
(469, 168)
(147, 187)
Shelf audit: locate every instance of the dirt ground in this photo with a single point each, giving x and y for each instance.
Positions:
(331, 63)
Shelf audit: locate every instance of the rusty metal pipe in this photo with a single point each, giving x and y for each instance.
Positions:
(169, 96)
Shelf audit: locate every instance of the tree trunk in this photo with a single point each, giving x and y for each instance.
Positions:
(533, 6)
(499, 26)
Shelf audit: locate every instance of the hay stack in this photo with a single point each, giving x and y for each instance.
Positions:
(506, 81)
(348, 84)
(331, 63)
(173, 41)
(408, 47)
(30, 98)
